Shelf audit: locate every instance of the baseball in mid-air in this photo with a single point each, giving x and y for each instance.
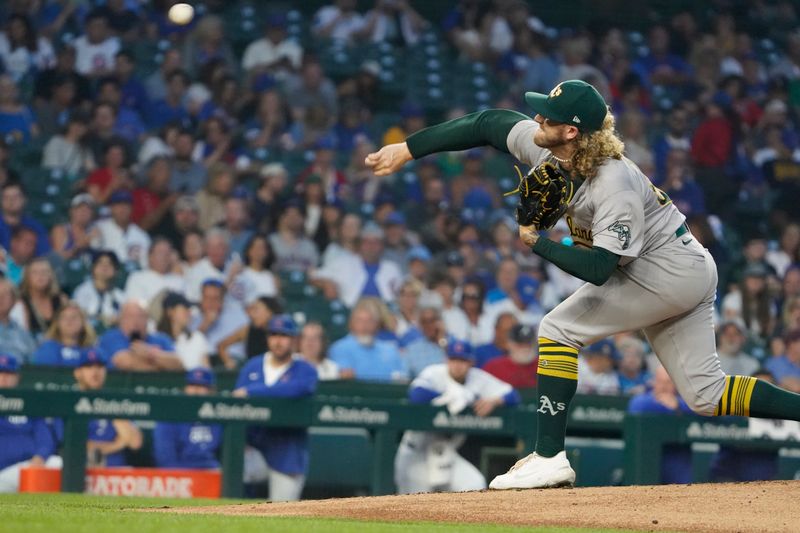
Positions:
(181, 14)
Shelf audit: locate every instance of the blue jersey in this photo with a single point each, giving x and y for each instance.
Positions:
(285, 450)
(186, 444)
(54, 353)
(114, 340)
(103, 430)
(22, 437)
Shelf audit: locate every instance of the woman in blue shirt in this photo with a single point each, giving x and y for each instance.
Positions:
(16, 120)
(68, 335)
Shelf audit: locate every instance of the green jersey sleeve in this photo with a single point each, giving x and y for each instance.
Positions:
(490, 127)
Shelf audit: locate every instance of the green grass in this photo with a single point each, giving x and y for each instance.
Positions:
(56, 513)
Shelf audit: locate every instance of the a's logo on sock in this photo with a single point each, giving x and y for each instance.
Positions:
(546, 406)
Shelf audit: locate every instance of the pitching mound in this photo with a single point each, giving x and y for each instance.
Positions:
(745, 507)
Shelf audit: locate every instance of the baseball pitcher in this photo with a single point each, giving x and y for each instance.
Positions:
(645, 270)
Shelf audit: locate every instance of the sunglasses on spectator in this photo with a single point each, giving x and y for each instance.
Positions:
(472, 295)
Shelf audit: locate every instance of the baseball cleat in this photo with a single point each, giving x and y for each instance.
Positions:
(537, 472)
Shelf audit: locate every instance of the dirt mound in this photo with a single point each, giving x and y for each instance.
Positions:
(745, 507)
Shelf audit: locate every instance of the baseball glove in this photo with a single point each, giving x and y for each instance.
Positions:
(544, 195)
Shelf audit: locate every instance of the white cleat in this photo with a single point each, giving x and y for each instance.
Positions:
(537, 472)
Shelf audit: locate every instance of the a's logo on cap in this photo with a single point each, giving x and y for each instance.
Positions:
(576, 120)
(556, 91)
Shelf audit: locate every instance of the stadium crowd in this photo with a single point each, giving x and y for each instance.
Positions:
(169, 191)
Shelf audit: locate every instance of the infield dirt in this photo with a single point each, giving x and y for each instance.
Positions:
(745, 507)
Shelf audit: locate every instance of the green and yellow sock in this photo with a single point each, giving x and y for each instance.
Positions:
(558, 381)
(747, 396)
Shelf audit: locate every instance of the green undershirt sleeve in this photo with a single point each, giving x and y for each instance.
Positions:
(594, 265)
(476, 129)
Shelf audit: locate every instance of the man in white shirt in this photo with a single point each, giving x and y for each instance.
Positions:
(96, 49)
(215, 265)
(273, 52)
(364, 275)
(340, 22)
(144, 285)
(117, 233)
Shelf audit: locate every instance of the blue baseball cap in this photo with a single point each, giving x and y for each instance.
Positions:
(458, 349)
(8, 364)
(395, 218)
(200, 376)
(527, 287)
(602, 347)
(282, 325)
(91, 357)
(418, 252)
(122, 196)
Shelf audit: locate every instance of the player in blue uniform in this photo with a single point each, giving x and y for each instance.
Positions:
(189, 444)
(108, 439)
(24, 441)
(277, 455)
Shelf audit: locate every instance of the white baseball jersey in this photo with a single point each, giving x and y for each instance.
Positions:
(618, 210)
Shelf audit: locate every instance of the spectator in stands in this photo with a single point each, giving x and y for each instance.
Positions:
(786, 367)
(17, 123)
(14, 339)
(64, 67)
(66, 151)
(312, 88)
(118, 234)
(498, 346)
(712, 147)
(269, 127)
(130, 347)
(518, 368)
(313, 348)
(74, 237)
(24, 441)
(12, 215)
(407, 312)
(214, 265)
(22, 51)
(274, 52)
(788, 252)
(157, 82)
(429, 461)
(254, 334)
(98, 297)
(192, 445)
(108, 439)
(367, 275)
(101, 131)
(731, 339)
(663, 399)
(218, 316)
(680, 185)
(128, 124)
(134, 94)
(182, 220)
(596, 374)
(751, 303)
(21, 252)
(576, 52)
(270, 193)
(339, 22)
(159, 143)
(293, 250)
(52, 114)
(236, 222)
(412, 119)
(393, 21)
(279, 456)
(208, 43)
(676, 137)
(69, 334)
(428, 349)
(345, 242)
(96, 50)
(256, 278)
(472, 297)
(191, 347)
(660, 66)
(631, 367)
(40, 298)
(188, 176)
(172, 107)
(153, 202)
(160, 275)
(361, 356)
(633, 130)
(113, 175)
(211, 199)
(456, 322)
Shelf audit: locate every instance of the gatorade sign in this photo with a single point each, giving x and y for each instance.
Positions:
(153, 482)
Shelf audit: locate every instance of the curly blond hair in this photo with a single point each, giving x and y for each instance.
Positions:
(595, 147)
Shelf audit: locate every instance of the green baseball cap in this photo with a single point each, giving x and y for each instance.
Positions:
(573, 102)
